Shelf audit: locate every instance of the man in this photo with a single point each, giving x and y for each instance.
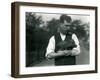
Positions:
(63, 46)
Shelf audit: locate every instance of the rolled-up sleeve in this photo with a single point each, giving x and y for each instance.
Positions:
(76, 50)
(51, 46)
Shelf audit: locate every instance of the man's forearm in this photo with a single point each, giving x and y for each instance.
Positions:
(75, 52)
(54, 55)
(59, 53)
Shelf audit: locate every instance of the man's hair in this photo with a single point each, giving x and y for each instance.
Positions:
(65, 17)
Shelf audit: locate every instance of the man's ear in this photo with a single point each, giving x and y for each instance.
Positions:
(58, 29)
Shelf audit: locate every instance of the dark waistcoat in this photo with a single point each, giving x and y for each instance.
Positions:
(68, 44)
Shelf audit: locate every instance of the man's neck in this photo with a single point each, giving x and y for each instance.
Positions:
(62, 34)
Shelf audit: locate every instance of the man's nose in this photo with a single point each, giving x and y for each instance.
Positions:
(68, 27)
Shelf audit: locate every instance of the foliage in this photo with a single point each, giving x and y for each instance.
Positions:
(80, 29)
(32, 27)
(53, 26)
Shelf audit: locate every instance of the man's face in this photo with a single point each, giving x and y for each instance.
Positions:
(64, 28)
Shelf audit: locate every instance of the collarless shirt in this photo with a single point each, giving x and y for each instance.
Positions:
(62, 36)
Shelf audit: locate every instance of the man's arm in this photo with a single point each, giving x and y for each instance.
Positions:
(76, 50)
(54, 55)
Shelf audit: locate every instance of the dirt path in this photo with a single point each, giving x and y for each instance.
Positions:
(83, 58)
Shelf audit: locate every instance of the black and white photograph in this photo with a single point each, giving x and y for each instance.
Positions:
(57, 39)
(51, 39)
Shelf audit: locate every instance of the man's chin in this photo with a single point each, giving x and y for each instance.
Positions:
(64, 33)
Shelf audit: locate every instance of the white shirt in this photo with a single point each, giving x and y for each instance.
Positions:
(51, 45)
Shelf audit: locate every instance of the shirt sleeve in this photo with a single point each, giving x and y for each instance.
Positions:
(76, 50)
(51, 46)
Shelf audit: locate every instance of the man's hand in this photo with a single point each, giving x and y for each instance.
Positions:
(64, 52)
(61, 52)
(67, 52)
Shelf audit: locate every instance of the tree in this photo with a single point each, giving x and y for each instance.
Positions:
(32, 37)
(53, 26)
(82, 31)
(32, 26)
